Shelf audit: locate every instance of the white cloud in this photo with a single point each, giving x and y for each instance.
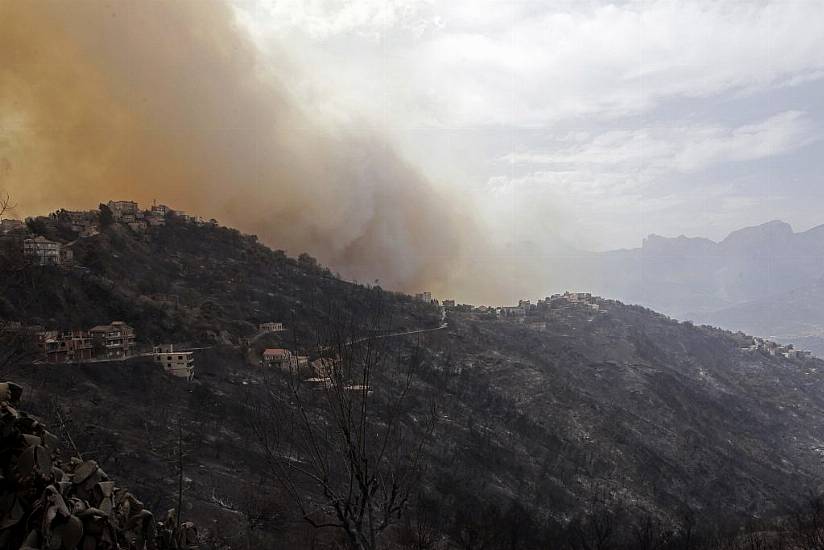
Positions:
(617, 95)
(464, 62)
(621, 178)
(656, 151)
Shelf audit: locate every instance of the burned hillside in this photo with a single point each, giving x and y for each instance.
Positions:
(542, 424)
(180, 281)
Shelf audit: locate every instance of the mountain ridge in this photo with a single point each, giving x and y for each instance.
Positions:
(699, 279)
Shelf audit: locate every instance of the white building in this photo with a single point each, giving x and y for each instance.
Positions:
(177, 363)
(576, 297)
(271, 327)
(160, 209)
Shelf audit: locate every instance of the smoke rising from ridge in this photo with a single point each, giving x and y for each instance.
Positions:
(170, 100)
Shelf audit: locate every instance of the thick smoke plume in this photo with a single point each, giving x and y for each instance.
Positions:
(169, 100)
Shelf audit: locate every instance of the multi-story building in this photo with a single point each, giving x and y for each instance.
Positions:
(113, 341)
(67, 346)
(160, 209)
(43, 251)
(177, 363)
(123, 211)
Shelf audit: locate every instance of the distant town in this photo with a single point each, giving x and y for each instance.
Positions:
(115, 341)
(525, 311)
(83, 224)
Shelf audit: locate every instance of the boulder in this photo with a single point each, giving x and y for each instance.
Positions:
(51, 504)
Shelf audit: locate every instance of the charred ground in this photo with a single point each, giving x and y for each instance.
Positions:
(621, 411)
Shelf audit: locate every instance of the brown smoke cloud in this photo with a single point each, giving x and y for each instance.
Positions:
(170, 100)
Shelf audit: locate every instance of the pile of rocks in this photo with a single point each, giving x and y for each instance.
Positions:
(54, 504)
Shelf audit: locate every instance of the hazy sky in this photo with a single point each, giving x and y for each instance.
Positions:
(588, 123)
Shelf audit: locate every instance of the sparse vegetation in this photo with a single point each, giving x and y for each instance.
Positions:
(613, 429)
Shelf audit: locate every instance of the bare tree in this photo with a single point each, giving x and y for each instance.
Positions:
(346, 445)
(5, 203)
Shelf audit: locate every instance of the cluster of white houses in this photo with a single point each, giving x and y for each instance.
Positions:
(526, 307)
(115, 341)
(775, 349)
(129, 213)
(85, 223)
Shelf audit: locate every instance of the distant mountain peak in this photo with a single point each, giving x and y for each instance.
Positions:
(770, 231)
(654, 241)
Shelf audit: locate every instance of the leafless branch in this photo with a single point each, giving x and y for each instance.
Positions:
(342, 450)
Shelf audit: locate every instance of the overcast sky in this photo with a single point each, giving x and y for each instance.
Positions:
(587, 123)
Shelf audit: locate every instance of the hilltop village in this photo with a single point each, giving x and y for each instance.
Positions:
(534, 316)
(71, 225)
(47, 245)
(116, 340)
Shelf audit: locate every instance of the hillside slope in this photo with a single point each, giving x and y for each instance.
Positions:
(185, 282)
(794, 317)
(539, 426)
(753, 280)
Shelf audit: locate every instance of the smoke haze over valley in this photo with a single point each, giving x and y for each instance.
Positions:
(411, 275)
(170, 100)
(313, 136)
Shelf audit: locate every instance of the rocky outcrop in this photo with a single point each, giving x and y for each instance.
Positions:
(65, 504)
